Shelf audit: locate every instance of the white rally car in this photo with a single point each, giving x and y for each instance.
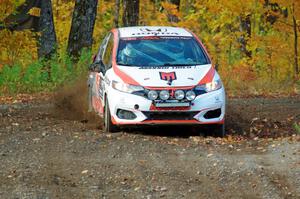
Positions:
(155, 76)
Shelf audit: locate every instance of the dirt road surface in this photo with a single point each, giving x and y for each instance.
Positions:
(54, 154)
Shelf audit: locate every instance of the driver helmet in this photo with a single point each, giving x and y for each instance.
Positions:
(129, 54)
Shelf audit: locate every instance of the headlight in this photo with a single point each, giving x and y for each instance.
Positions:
(179, 94)
(152, 95)
(190, 95)
(164, 95)
(216, 84)
(127, 88)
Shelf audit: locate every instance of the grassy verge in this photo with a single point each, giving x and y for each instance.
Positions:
(47, 76)
(41, 75)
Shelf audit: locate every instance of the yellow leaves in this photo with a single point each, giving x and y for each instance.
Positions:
(104, 20)
(217, 23)
(14, 45)
(6, 8)
(18, 2)
(170, 8)
(62, 13)
(152, 14)
(35, 11)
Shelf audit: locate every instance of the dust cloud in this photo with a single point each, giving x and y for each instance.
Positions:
(71, 103)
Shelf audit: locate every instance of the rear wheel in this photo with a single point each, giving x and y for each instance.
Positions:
(109, 127)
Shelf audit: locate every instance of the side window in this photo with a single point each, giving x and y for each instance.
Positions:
(108, 53)
(102, 46)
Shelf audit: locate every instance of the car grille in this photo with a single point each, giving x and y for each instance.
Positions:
(169, 115)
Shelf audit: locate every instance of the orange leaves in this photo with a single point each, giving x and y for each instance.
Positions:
(14, 45)
(227, 28)
(170, 8)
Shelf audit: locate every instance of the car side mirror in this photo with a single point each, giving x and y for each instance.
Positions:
(97, 66)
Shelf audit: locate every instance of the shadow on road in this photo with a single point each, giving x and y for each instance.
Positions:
(169, 131)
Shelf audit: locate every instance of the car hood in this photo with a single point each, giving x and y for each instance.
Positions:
(160, 76)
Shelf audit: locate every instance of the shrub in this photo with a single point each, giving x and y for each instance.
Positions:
(43, 75)
(10, 78)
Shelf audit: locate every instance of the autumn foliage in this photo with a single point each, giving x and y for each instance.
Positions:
(253, 43)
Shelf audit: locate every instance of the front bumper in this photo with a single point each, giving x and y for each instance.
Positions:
(147, 113)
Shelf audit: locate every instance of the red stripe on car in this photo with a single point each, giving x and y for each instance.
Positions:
(126, 78)
(165, 122)
(208, 77)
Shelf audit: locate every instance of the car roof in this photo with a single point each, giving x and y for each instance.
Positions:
(142, 31)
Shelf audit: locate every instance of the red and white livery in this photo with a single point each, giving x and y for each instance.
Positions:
(155, 75)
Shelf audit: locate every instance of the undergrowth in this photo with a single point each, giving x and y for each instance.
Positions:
(42, 75)
(48, 75)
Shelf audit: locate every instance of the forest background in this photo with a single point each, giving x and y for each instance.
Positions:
(254, 43)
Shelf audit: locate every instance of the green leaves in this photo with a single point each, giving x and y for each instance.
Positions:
(43, 75)
(10, 78)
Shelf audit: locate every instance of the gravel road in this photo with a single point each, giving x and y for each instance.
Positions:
(48, 154)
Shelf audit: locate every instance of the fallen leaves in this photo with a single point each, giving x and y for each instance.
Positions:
(269, 127)
(22, 98)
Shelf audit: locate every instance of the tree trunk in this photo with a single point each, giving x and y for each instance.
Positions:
(36, 15)
(296, 65)
(174, 18)
(117, 13)
(176, 2)
(83, 21)
(47, 41)
(245, 28)
(131, 12)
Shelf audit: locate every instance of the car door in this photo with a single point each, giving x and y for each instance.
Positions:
(96, 83)
(107, 61)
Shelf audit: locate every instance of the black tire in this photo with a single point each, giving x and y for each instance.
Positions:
(218, 130)
(109, 127)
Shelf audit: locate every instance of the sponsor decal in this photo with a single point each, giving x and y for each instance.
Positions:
(166, 67)
(149, 37)
(155, 30)
(170, 77)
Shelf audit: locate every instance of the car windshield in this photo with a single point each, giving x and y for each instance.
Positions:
(160, 51)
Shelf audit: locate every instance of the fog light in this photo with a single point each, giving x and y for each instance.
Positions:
(164, 95)
(190, 95)
(152, 95)
(179, 95)
(126, 115)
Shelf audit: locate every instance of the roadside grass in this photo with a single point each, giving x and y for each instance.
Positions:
(42, 75)
(49, 75)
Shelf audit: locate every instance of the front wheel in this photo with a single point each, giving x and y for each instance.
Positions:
(218, 130)
(109, 127)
